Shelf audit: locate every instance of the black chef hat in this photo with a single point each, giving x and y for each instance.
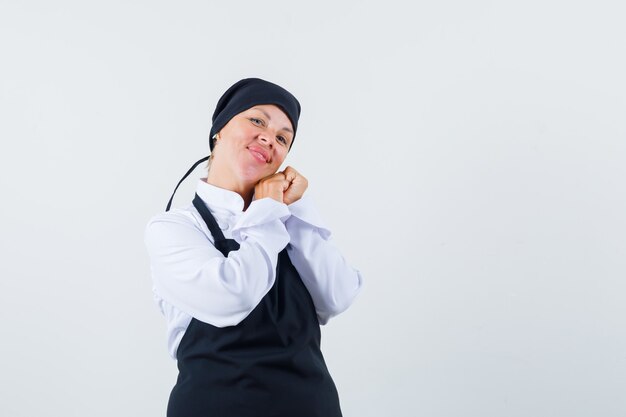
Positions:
(241, 96)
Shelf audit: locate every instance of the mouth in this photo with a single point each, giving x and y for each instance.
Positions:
(259, 153)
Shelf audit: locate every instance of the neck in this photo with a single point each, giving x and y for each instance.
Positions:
(230, 182)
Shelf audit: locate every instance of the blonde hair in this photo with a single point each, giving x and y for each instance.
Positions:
(208, 162)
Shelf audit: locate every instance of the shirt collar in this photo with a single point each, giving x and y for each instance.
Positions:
(219, 198)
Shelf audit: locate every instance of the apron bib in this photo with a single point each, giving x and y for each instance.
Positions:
(268, 365)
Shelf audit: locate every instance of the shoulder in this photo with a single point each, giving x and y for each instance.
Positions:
(183, 216)
(170, 224)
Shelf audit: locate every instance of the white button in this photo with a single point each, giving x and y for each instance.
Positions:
(222, 225)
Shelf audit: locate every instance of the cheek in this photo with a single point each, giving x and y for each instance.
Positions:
(281, 156)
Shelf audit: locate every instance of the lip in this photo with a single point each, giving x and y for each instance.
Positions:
(262, 151)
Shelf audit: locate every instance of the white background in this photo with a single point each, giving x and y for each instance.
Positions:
(469, 158)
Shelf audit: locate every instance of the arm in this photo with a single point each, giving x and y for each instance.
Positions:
(331, 281)
(191, 274)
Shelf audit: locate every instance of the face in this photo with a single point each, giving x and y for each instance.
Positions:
(254, 143)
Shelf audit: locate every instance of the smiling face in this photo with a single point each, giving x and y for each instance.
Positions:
(253, 144)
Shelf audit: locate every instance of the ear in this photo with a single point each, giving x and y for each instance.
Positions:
(213, 140)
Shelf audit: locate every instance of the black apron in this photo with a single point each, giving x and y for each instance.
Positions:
(268, 365)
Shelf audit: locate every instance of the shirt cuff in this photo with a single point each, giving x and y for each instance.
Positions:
(305, 211)
(263, 211)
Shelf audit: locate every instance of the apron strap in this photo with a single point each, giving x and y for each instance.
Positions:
(221, 243)
(208, 218)
(169, 203)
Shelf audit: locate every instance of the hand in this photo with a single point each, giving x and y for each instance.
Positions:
(297, 185)
(272, 186)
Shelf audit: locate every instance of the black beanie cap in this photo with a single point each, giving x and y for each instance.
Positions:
(247, 93)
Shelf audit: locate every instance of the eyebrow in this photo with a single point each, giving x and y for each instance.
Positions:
(269, 118)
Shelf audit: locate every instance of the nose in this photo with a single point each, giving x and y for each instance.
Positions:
(266, 138)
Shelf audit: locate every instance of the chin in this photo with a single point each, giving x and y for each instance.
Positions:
(254, 174)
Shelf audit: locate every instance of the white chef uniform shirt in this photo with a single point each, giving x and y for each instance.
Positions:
(191, 278)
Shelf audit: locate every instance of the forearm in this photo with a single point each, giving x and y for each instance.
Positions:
(332, 282)
(191, 274)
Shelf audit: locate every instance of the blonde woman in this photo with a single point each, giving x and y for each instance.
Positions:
(246, 274)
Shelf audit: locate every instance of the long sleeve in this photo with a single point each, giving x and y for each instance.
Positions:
(331, 281)
(192, 275)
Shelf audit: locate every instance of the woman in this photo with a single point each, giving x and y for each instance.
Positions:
(246, 274)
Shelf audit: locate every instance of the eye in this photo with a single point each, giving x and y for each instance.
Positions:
(282, 139)
(255, 120)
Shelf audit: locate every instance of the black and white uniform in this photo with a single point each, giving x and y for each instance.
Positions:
(244, 294)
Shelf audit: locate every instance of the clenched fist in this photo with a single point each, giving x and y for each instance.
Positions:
(297, 185)
(272, 186)
(284, 186)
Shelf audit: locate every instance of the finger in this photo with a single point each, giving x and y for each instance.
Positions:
(290, 174)
(292, 169)
(277, 176)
